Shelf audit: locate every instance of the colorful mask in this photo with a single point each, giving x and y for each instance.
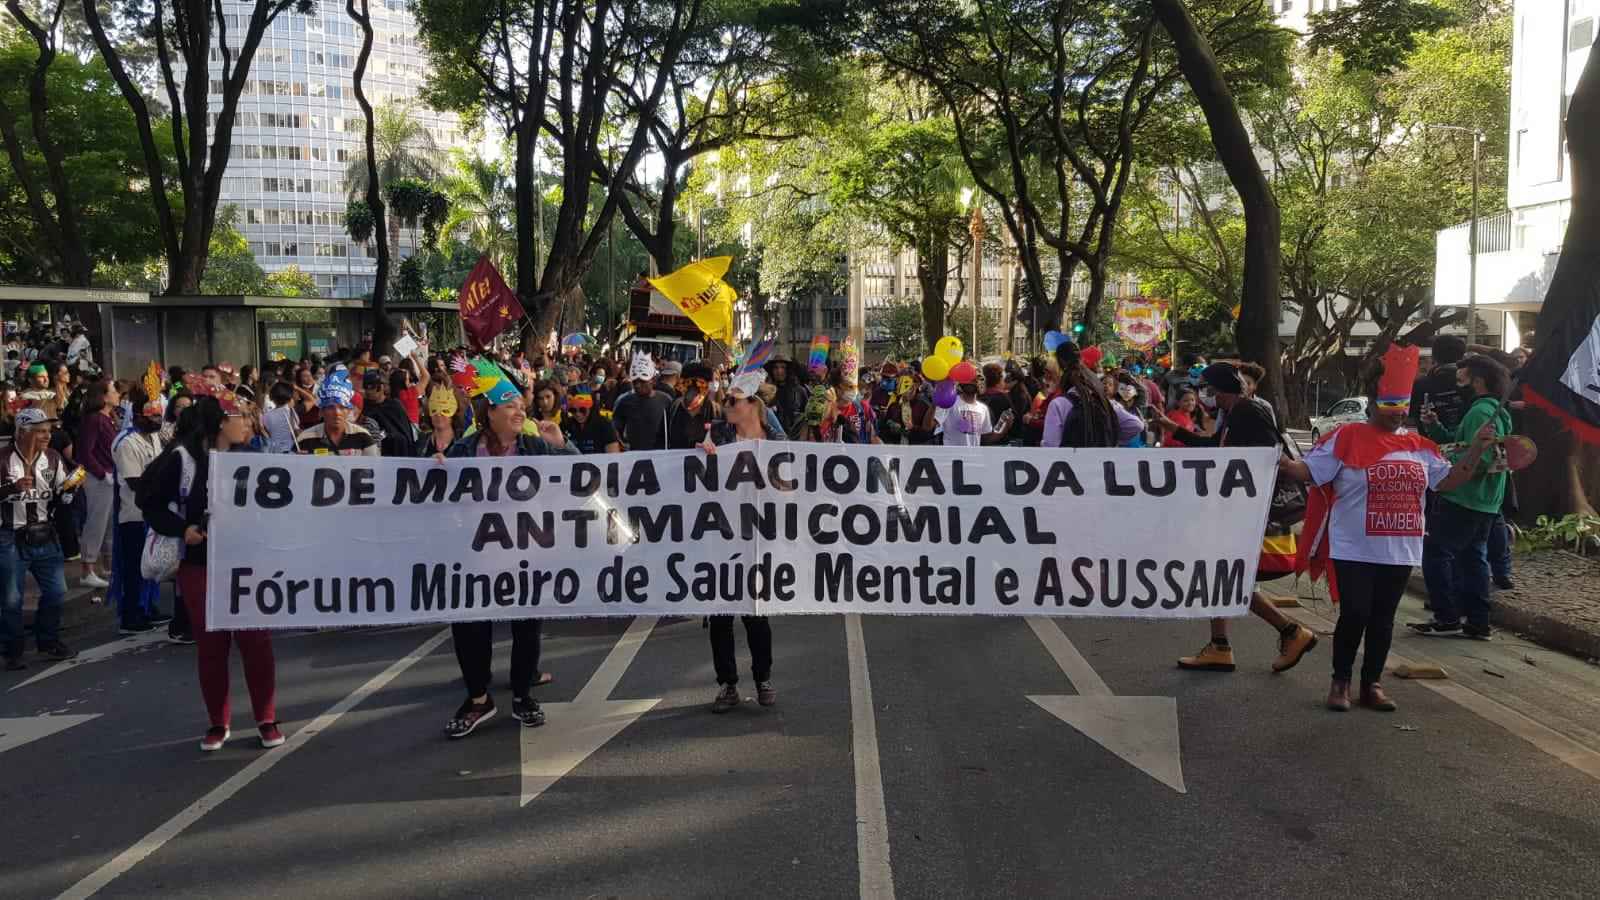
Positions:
(442, 402)
(817, 406)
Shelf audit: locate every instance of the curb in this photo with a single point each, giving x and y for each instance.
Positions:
(1538, 625)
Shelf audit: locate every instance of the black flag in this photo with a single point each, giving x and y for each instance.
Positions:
(1563, 376)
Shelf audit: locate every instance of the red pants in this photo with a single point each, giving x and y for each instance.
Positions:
(260, 673)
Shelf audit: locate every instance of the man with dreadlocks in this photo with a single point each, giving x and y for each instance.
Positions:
(1080, 415)
(1246, 422)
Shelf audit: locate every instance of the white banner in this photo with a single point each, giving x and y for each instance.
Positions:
(761, 527)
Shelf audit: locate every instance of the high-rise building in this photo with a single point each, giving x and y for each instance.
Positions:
(299, 128)
(1297, 14)
(1518, 248)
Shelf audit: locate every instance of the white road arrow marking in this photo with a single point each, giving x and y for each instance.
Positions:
(27, 729)
(101, 653)
(1141, 730)
(576, 730)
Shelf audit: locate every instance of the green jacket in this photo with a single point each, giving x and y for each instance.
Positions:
(1487, 490)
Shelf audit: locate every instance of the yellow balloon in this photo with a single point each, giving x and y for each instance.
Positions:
(936, 368)
(949, 347)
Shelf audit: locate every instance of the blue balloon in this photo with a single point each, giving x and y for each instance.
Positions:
(1052, 340)
(944, 396)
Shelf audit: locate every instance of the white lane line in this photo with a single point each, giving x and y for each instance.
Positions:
(872, 820)
(1520, 724)
(219, 795)
(1085, 680)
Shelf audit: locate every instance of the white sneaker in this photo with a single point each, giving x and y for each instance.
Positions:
(92, 580)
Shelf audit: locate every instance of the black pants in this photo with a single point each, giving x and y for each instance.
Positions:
(1369, 594)
(475, 645)
(758, 631)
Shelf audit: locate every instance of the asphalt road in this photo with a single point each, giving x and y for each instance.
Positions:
(1485, 787)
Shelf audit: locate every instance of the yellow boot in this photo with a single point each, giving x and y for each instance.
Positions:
(1211, 658)
(1292, 647)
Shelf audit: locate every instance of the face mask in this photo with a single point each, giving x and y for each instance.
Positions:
(1208, 398)
(598, 380)
(1127, 393)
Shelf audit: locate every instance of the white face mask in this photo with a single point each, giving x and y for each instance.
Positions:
(1208, 398)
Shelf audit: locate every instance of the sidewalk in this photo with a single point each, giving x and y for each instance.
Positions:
(1556, 601)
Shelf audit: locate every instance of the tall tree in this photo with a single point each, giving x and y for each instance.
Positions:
(905, 181)
(480, 196)
(51, 198)
(572, 70)
(1046, 99)
(1258, 316)
(399, 146)
(186, 32)
(371, 175)
(71, 201)
(744, 74)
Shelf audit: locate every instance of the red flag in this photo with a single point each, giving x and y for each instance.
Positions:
(487, 306)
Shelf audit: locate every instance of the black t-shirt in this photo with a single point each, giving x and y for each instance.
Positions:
(642, 421)
(593, 436)
(1438, 389)
(1249, 424)
(999, 404)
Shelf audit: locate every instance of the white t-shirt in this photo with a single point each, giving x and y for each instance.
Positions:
(1377, 514)
(966, 424)
(132, 452)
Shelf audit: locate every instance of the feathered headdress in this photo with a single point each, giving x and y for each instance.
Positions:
(491, 383)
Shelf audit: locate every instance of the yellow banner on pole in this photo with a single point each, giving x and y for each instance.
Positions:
(698, 290)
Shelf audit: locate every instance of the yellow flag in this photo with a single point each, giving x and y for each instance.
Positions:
(698, 290)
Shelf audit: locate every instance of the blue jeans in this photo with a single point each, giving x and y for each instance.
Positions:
(46, 564)
(1500, 548)
(1455, 563)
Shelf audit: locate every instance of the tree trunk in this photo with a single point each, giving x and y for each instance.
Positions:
(1567, 473)
(383, 329)
(933, 281)
(1257, 332)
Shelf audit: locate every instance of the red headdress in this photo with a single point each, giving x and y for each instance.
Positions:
(225, 398)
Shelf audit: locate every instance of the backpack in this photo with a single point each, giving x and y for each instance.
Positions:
(1076, 431)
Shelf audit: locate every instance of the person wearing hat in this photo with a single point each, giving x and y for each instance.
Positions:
(694, 410)
(38, 391)
(503, 413)
(586, 429)
(746, 421)
(33, 479)
(336, 435)
(1245, 421)
(667, 382)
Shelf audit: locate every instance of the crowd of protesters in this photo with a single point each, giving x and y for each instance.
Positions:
(100, 471)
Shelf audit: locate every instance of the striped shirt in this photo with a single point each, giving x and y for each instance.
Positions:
(19, 508)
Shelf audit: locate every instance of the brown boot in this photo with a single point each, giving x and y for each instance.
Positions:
(1211, 658)
(1373, 697)
(1293, 647)
(1339, 696)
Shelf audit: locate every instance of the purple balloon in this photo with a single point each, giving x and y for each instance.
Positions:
(944, 396)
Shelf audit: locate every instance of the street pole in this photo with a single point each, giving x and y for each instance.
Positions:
(977, 273)
(1472, 238)
(700, 233)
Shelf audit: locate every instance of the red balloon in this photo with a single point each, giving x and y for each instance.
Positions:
(964, 372)
(1091, 357)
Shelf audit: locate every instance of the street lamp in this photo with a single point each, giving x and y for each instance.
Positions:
(1472, 229)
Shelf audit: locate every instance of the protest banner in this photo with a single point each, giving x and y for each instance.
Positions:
(763, 527)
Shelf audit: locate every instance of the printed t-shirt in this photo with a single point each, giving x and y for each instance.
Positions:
(1377, 514)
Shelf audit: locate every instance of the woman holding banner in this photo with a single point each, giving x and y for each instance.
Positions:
(503, 413)
(173, 495)
(1365, 521)
(746, 421)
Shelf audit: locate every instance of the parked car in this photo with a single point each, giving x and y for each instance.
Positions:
(1350, 409)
